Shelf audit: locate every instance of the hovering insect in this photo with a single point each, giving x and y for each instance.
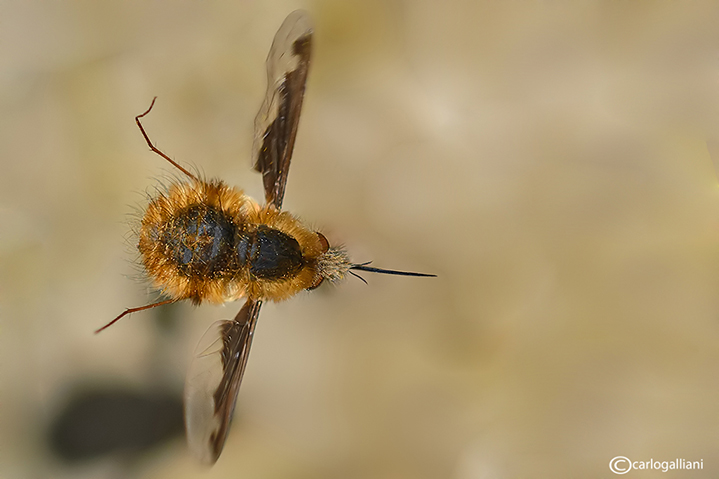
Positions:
(205, 241)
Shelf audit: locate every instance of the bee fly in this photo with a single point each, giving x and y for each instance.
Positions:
(208, 242)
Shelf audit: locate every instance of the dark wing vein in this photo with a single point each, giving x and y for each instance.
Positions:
(237, 339)
(277, 121)
(214, 379)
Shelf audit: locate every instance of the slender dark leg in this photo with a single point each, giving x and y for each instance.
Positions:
(134, 310)
(152, 147)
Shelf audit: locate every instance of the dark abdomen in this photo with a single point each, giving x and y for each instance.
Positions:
(200, 241)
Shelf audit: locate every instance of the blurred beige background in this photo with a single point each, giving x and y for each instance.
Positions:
(550, 161)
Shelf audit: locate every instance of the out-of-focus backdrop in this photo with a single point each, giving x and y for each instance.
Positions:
(554, 163)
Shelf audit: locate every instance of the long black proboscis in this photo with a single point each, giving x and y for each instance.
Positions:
(363, 267)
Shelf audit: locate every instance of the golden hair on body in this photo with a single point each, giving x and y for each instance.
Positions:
(167, 231)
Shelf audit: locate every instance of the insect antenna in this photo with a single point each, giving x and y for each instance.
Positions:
(364, 267)
(152, 147)
(358, 276)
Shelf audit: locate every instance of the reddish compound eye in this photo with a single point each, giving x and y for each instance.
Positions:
(316, 284)
(325, 244)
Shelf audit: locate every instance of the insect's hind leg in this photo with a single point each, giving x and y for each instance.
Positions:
(134, 310)
(152, 147)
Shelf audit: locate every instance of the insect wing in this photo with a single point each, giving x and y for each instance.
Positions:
(276, 123)
(213, 381)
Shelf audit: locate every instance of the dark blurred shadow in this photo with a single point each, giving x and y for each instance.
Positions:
(99, 422)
